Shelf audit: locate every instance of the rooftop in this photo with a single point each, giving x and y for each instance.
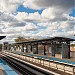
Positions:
(61, 39)
(1, 37)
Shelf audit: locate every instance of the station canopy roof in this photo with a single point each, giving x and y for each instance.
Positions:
(1, 37)
(61, 39)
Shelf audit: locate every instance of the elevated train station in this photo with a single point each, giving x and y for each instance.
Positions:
(55, 46)
(54, 59)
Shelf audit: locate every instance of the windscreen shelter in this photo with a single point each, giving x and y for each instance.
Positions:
(60, 46)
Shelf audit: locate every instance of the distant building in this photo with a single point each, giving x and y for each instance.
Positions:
(5, 46)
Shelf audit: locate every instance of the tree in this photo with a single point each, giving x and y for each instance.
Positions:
(72, 45)
(22, 39)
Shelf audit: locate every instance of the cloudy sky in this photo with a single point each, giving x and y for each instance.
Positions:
(36, 18)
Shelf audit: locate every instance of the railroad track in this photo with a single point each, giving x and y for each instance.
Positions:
(24, 68)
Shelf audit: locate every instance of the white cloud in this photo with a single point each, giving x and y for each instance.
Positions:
(53, 21)
(9, 5)
(38, 4)
(31, 17)
(31, 4)
(30, 27)
(47, 15)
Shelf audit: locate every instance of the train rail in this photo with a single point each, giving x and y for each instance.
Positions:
(24, 68)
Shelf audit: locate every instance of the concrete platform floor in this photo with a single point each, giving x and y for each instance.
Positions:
(2, 71)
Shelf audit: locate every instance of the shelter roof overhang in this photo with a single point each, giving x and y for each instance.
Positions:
(1, 37)
(61, 39)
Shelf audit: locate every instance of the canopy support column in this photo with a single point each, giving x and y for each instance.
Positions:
(31, 48)
(53, 49)
(68, 43)
(23, 48)
(37, 48)
(26, 48)
(44, 49)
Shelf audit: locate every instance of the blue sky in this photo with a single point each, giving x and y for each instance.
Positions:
(21, 8)
(72, 12)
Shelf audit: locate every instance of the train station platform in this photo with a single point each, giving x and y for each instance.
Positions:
(5, 69)
(66, 66)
